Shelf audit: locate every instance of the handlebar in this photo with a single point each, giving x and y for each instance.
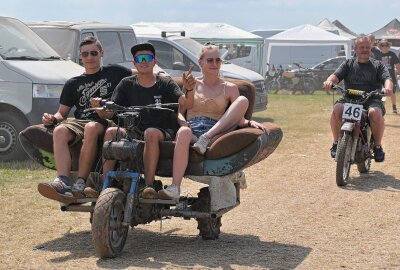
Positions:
(112, 106)
(360, 93)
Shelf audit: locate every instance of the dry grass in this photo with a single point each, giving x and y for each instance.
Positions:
(292, 215)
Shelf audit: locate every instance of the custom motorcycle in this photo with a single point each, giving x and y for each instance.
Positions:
(355, 144)
(120, 206)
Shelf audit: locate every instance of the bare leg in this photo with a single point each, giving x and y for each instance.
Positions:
(62, 155)
(181, 154)
(151, 153)
(336, 121)
(92, 132)
(231, 118)
(377, 124)
(393, 99)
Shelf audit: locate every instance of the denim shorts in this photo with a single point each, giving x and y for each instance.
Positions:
(201, 125)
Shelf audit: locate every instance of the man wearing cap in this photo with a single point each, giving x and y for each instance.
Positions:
(96, 82)
(390, 60)
(143, 89)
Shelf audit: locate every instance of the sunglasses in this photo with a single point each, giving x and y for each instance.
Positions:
(214, 60)
(143, 58)
(92, 53)
(384, 45)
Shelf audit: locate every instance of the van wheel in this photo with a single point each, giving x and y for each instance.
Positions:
(10, 147)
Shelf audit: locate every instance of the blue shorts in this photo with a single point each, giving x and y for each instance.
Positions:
(201, 125)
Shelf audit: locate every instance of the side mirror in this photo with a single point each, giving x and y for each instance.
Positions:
(178, 66)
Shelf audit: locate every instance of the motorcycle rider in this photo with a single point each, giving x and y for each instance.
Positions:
(366, 74)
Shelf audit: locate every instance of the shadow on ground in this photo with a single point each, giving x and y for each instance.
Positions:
(156, 250)
(373, 180)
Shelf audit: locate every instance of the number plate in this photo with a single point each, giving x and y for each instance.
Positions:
(352, 111)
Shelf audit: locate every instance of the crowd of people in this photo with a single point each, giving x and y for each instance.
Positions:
(208, 108)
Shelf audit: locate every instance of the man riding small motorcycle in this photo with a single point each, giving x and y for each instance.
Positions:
(365, 74)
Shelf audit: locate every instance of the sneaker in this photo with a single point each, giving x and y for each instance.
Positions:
(61, 185)
(333, 150)
(379, 155)
(149, 193)
(201, 145)
(170, 193)
(91, 192)
(394, 109)
(78, 188)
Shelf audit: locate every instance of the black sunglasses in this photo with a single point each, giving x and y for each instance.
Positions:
(92, 53)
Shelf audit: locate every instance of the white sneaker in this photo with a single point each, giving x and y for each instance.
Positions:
(201, 145)
(170, 193)
(78, 187)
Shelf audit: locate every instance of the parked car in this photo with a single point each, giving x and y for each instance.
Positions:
(176, 53)
(64, 37)
(322, 70)
(32, 76)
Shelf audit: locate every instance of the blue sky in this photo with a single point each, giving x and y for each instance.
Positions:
(360, 16)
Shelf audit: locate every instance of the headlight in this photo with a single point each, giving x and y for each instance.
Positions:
(46, 90)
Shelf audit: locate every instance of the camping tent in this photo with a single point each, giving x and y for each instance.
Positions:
(306, 44)
(390, 31)
(331, 27)
(243, 48)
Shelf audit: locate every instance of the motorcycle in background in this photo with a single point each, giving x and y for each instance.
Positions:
(355, 144)
(301, 80)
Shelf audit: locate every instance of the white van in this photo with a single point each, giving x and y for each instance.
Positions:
(176, 53)
(32, 76)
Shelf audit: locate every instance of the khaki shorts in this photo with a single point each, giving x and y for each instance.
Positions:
(77, 127)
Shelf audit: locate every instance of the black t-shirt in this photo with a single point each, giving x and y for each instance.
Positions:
(389, 60)
(362, 76)
(130, 93)
(78, 90)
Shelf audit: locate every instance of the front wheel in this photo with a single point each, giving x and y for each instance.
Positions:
(11, 125)
(108, 233)
(343, 156)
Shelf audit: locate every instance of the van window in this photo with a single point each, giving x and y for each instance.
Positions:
(167, 55)
(19, 42)
(236, 51)
(111, 46)
(61, 40)
(128, 40)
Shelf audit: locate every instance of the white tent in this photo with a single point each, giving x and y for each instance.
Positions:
(249, 47)
(331, 27)
(303, 43)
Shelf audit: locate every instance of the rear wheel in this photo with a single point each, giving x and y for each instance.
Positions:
(273, 86)
(309, 85)
(343, 163)
(108, 233)
(209, 227)
(364, 167)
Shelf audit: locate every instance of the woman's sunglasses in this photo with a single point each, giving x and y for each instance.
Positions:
(143, 58)
(92, 53)
(214, 60)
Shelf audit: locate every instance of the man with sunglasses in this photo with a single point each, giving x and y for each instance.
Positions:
(96, 82)
(143, 89)
(390, 60)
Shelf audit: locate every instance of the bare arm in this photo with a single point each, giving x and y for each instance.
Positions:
(59, 116)
(330, 81)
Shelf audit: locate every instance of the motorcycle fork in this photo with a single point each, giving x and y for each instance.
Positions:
(133, 177)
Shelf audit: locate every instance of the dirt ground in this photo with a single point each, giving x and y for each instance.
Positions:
(292, 216)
